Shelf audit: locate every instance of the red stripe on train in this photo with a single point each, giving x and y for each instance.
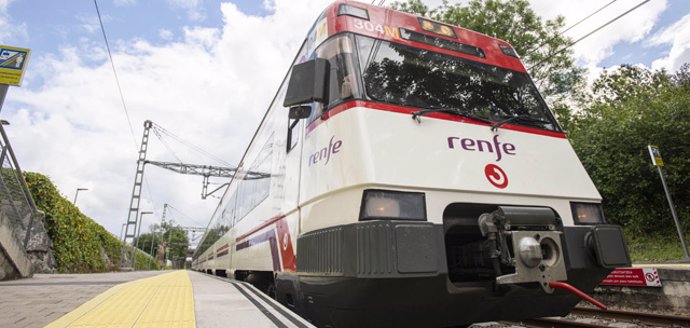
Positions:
(409, 110)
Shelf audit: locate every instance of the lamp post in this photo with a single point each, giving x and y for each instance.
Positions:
(122, 232)
(153, 238)
(136, 245)
(77, 194)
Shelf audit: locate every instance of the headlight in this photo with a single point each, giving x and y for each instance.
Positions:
(392, 205)
(587, 213)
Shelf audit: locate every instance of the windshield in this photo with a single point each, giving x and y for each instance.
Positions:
(414, 77)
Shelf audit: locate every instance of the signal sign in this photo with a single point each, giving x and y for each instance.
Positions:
(656, 155)
(12, 63)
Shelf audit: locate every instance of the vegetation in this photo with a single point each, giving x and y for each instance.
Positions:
(168, 233)
(80, 245)
(628, 109)
(654, 248)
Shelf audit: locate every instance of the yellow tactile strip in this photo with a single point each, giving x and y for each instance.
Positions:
(161, 301)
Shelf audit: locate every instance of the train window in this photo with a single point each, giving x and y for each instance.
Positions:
(255, 183)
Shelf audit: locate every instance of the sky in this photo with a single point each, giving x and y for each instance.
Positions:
(206, 71)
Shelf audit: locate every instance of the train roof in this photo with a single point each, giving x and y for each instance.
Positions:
(392, 25)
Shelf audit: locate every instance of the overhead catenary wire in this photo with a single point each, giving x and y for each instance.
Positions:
(190, 145)
(587, 17)
(588, 34)
(165, 144)
(569, 28)
(184, 215)
(117, 79)
(122, 97)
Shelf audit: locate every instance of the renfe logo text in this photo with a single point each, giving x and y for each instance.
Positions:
(482, 146)
(325, 153)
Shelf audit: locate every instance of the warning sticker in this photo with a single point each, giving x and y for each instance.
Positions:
(636, 277)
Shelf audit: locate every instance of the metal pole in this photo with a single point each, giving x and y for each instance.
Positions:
(151, 250)
(3, 93)
(152, 239)
(138, 233)
(136, 246)
(681, 235)
(169, 246)
(122, 231)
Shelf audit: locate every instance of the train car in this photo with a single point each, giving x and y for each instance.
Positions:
(409, 174)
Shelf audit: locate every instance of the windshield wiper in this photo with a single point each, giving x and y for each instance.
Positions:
(520, 117)
(452, 111)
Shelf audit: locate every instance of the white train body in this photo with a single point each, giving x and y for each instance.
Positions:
(299, 223)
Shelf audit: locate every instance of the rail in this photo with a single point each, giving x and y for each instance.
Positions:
(604, 318)
(653, 319)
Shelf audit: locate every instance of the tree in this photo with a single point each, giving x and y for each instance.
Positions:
(169, 233)
(177, 241)
(537, 42)
(628, 109)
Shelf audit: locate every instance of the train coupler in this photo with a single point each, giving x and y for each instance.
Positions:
(536, 254)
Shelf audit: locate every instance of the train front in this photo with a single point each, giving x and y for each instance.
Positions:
(437, 187)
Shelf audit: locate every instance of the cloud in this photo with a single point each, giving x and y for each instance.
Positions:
(209, 86)
(122, 3)
(630, 28)
(678, 36)
(194, 8)
(10, 31)
(166, 34)
(90, 23)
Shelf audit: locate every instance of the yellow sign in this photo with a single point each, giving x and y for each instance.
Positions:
(656, 155)
(12, 63)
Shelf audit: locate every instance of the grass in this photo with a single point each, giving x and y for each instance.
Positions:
(654, 248)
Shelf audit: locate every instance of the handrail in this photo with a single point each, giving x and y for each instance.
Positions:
(8, 153)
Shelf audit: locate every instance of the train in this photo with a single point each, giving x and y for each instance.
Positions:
(408, 173)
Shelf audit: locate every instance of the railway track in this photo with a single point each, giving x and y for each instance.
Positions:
(582, 317)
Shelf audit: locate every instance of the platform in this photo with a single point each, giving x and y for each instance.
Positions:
(177, 299)
(672, 296)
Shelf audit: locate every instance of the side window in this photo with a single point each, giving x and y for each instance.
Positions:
(256, 182)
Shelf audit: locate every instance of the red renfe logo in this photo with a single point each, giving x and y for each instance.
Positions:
(496, 176)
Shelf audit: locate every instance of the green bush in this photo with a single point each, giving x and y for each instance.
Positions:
(145, 262)
(80, 245)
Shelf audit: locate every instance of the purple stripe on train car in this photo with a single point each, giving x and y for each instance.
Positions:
(269, 236)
